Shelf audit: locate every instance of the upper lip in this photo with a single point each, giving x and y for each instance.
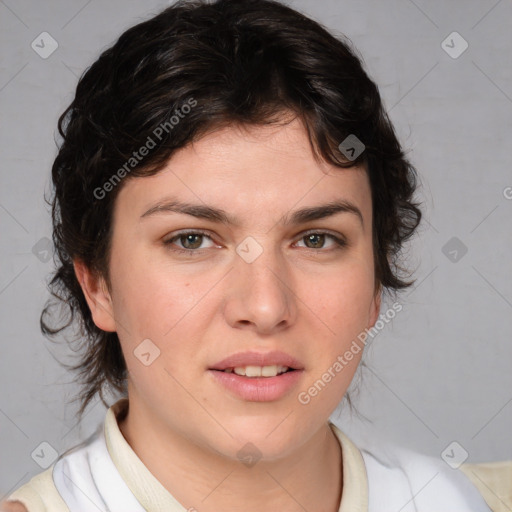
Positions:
(273, 358)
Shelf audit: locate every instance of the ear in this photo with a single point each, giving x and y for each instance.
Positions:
(97, 296)
(375, 307)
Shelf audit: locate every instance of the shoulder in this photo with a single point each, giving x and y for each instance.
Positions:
(44, 492)
(494, 480)
(418, 483)
(38, 495)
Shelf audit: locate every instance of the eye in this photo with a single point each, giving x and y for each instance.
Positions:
(190, 241)
(316, 240)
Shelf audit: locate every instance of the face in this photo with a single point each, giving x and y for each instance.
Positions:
(258, 265)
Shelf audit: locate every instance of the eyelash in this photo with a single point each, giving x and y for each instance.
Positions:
(341, 243)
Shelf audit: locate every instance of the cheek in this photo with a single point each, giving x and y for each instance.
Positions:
(149, 296)
(344, 301)
(163, 306)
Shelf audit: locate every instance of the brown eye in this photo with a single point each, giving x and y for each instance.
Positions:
(317, 240)
(191, 241)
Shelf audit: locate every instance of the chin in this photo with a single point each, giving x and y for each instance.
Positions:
(269, 437)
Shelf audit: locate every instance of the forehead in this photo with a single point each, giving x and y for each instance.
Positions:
(249, 170)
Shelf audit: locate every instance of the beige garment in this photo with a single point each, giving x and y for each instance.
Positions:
(41, 495)
(494, 481)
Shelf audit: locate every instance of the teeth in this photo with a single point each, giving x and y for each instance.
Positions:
(259, 371)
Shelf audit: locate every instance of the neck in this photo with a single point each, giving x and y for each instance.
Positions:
(308, 479)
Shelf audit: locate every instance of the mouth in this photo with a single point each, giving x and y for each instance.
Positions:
(253, 372)
(257, 388)
(258, 364)
(258, 377)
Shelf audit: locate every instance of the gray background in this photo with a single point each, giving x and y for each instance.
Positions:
(442, 371)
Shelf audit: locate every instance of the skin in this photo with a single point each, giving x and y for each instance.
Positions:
(309, 298)
(12, 506)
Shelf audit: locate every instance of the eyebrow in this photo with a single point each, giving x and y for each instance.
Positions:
(218, 215)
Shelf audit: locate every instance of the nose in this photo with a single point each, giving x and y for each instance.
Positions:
(261, 294)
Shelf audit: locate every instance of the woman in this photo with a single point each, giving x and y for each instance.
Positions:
(230, 199)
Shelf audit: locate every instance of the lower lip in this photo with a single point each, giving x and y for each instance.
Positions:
(258, 389)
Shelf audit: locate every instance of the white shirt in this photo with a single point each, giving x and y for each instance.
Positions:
(105, 474)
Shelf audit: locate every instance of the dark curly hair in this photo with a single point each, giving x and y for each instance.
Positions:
(244, 62)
